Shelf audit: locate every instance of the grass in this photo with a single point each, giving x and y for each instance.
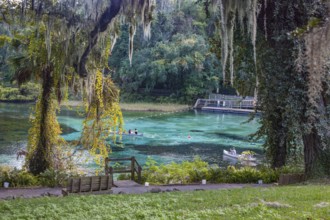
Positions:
(162, 107)
(141, 106)
(292, 202)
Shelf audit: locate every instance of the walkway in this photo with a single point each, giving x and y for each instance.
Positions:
(124, 187)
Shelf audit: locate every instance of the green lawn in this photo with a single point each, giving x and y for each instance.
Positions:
(295, 202)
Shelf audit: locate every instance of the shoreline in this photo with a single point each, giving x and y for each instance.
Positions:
(142, 107)
(18, 101)
(138, 107)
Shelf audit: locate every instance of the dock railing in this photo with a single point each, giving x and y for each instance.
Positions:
(133, 168)
(223, 101)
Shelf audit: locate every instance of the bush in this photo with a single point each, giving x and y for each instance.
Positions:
(23, 178)
(195, 171)
(243, 175)
(28, 91)
(53, 178)
(124, 176)
(4, 174)
(8, 93)
(173, 173)
(17, 178)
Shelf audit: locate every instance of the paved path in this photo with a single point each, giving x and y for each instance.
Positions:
(124, 187)
(12, 193)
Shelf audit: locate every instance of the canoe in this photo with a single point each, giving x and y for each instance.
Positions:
(239, 156)
(227, 153)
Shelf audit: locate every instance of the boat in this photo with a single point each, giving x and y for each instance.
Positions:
(239, 156)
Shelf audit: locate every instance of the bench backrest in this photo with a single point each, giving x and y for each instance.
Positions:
(89, 184)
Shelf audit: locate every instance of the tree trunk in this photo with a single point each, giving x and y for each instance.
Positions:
(41, 158)
(278, 150)
(312, 143)
(279, 159)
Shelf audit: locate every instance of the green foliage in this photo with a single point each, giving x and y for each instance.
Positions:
(248, 152)
(174, 173)
(9, 93)
(26, 92)
(17, 178)
(242, 175)
(175, 65)
(53, 178)
(195, 171)
(182, 67)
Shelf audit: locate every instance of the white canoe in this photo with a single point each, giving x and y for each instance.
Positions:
(239, 156)
(227, 153)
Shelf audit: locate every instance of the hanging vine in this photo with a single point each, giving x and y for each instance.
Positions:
(231, 11)
(103, 117)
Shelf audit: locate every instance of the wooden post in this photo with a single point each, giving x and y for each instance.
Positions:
(71, 190)
(91, 189)
(80, 184)
(110, 171)
(139, 174)
(108, 182)
(132, 167)
(106, 166)
(100, 178)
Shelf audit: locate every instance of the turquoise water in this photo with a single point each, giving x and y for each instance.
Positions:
(166, 137)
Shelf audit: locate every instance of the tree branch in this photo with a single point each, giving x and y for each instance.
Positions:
(105, 19)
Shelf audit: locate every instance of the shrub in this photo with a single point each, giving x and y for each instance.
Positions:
(17, 178)
(28, 91)
(22, 178)
(4, 174)
(8, 93)
(244, 175)
(174, 173)
(53, 178)
(124, 176)
(195, 171)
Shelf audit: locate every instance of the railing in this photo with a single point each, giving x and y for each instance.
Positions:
(133, 169)
(223, 97)
(238, 103)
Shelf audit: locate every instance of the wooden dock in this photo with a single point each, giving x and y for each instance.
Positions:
(226, 104)
(228, 110)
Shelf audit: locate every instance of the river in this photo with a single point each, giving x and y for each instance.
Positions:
(166, 137)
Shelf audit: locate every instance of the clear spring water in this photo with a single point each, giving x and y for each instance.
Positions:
(166, 137)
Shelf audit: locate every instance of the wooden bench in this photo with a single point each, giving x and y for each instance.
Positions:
(89, 184)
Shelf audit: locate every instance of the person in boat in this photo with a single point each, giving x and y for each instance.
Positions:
(234, 151)
(129, 131)
(135, 131)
